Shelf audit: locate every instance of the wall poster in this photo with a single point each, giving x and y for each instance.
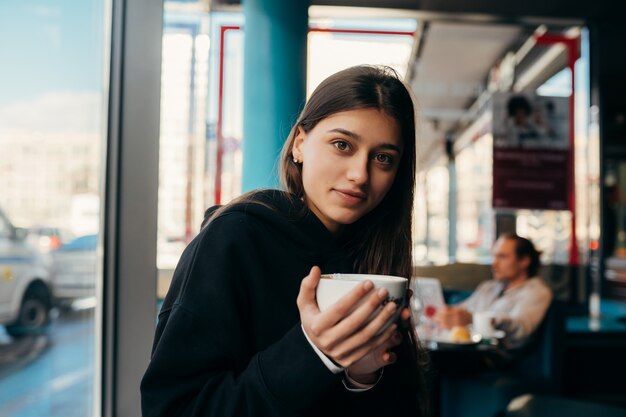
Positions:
(530, 151)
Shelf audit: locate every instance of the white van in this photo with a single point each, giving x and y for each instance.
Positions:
(74, 269)
(25, 296)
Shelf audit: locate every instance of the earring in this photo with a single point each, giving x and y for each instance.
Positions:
(295, 160)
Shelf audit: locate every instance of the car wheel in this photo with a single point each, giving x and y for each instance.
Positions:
(34, 315)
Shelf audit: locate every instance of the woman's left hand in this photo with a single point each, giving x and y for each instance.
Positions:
(366, 369)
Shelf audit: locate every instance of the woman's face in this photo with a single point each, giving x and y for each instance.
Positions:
(349, 162)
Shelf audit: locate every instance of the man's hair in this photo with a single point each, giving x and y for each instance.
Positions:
(525, 248)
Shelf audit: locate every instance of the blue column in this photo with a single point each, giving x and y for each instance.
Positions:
(274, 82)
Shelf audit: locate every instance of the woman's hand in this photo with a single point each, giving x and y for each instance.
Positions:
(339, 332)
(366, 369)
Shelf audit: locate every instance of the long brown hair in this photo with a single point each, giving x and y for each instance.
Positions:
(381, 240)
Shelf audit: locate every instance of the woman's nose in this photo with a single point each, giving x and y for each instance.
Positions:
(358, 170)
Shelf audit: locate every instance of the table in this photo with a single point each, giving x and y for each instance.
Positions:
(595, 355)
(465, 374)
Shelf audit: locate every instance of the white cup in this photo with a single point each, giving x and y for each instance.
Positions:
(334, 286)
(482, 322)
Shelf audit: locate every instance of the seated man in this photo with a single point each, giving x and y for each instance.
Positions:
(517, 296)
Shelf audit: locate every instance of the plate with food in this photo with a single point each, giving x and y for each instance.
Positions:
(457, 336)
(496, 334)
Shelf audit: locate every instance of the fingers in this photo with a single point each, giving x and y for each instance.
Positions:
(406, 318)
(376, 346)
(342, 308)
(449, 316)
(343, 332)
(387, 344)
(389, 358)
(367, 335)
(441, 319)
(442, 313)
(405, 314)
(392, 342)
(355, 320)
(378, 355)
(306, 297)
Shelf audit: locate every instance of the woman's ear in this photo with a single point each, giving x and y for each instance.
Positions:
(298, 148)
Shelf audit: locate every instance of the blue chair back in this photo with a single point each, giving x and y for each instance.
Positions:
(541, 360)
(535, 368)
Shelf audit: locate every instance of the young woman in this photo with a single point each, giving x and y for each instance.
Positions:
(240, 333)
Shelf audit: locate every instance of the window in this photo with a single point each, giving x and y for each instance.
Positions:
(52, 128)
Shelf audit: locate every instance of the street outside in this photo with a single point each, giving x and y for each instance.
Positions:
(50, 374)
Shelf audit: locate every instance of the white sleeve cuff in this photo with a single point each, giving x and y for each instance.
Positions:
(329, 364)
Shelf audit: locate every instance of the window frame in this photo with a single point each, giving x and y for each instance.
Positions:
(125, 317)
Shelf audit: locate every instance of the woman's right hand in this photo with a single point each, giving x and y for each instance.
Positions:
(339, 332)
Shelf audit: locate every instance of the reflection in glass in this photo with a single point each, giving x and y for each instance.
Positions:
(52, 124)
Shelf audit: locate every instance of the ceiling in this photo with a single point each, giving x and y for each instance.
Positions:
(450, 74)
(600, 10)
(457, 45)
(450, 70)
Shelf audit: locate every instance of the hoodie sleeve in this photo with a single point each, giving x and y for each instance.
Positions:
(202, 363)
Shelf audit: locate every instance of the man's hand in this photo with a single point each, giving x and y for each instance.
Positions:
(448, 317)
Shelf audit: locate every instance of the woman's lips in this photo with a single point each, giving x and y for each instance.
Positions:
(351, 196)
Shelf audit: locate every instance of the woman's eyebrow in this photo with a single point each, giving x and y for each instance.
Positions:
(346, 132)
(357, 137)
(391, 147)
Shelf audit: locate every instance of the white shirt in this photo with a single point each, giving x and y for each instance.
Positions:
(519, 310)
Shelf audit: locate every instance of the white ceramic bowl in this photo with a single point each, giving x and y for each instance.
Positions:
(334, 286)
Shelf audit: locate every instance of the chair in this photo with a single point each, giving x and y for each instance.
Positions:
(536, 368)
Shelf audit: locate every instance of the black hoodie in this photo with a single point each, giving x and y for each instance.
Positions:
(229, 340)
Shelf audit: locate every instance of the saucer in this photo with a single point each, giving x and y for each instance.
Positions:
(445, 339)
(497, 334)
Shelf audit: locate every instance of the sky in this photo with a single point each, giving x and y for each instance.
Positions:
(51, 55)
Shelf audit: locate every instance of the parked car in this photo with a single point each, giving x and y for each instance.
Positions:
(74, 269)
(47, 238)
(25, 296)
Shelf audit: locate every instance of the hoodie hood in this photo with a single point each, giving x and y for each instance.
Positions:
(303, 229)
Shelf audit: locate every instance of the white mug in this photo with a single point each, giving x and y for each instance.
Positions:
(334, 286)
(483, 321)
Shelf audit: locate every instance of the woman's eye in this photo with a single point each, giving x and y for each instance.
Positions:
(341, 145)
(383, 159)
